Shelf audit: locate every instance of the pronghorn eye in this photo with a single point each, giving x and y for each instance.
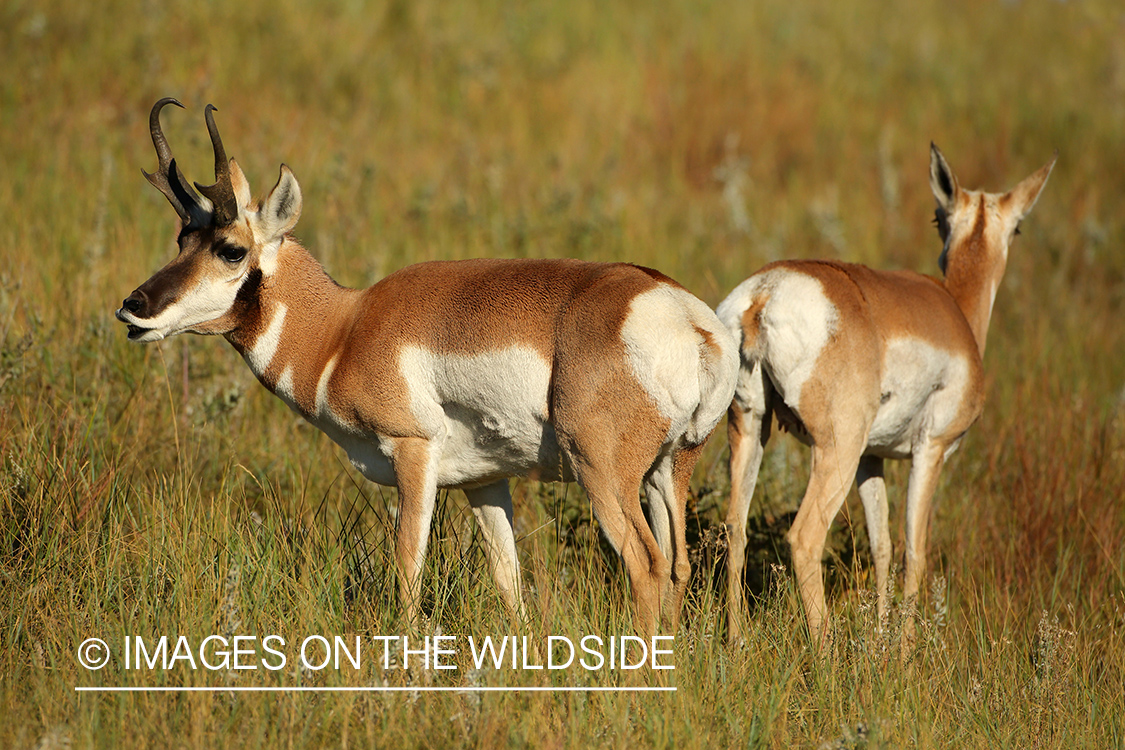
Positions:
(230, 253)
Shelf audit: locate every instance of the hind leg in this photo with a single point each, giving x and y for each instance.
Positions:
(611, 451)
(748, 430)
(834, 464)
(627, 530)
(683, 466)
(667, 487)
(660, 494)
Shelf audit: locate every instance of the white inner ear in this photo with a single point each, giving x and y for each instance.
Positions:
(281, 209)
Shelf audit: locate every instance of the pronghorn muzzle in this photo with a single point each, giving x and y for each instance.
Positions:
(150, 299)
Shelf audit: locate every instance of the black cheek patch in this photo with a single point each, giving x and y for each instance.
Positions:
(247, 302)
(249, 293)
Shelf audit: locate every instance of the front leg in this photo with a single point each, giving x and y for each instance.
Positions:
(415, 465)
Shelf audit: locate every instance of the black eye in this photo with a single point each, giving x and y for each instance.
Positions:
(230, 253)
(1017, 229)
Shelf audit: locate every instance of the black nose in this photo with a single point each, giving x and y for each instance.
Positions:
(134, 302)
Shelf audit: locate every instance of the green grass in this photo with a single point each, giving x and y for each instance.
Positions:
(160, 490)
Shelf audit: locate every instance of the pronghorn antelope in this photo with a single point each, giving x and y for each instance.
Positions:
(460, 374)
(862, 366)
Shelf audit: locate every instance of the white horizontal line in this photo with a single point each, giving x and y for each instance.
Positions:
(298, 689)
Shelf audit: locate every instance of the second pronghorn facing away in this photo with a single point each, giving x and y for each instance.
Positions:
(865, 365)
(460, 374)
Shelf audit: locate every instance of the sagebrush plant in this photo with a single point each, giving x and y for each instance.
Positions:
(700, 139)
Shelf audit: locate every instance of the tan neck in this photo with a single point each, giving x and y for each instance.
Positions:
(972, 276)
(293, 324)
(975, 295)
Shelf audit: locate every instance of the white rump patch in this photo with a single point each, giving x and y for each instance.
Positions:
(731, 309)
(796, 324)
(691, 387)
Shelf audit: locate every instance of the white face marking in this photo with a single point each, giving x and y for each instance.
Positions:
(796, 324)
(666, 354)
(208, 300)
(490, 411)
(264, 349)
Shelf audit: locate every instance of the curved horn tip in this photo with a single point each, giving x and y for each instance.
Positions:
(167, 100)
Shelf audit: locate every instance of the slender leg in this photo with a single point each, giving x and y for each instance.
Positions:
(415, 462)
(748, 430)
(661, 494)
(612, 433)
(833, 466)
(925, 468)
(492, 506)
(616, 505)
(683, 466)
(873, 493)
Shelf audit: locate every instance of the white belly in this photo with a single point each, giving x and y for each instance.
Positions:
(488, 411)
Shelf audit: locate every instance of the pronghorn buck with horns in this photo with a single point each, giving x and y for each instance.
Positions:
(862, 366)
(460, 374)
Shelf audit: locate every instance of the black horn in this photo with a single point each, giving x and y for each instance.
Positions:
(167, 178)
(221, 194)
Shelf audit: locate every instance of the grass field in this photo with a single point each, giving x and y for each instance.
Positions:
(160, 491)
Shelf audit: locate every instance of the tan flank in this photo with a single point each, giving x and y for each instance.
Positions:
(862, 366)
(460, 374)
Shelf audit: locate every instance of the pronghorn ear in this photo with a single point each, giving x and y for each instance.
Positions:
(1027, 192)
(241, 186)
(943, 183)
(282, 208)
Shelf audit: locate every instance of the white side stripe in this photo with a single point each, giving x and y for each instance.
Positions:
(260, 356)
(321, 407)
